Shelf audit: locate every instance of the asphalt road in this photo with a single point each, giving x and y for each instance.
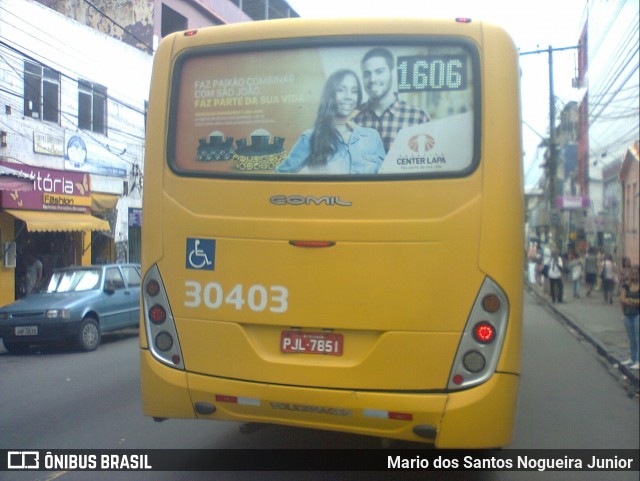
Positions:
(56, 399)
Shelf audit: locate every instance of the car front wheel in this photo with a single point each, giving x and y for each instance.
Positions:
(89, 335)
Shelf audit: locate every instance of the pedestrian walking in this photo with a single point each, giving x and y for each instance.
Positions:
(590, 270)
(546, 260)
(555, 278)
(535, 258)
(575, 270)
(600, 280)
(33, 273)
(625, 268)
(609, 278)
(630, 301)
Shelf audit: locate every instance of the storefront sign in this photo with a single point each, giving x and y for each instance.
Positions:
(572, 202)
(135, 217)
(58, 202)
(48, 144)
(53, 190)
(601, 223)
(85, 154)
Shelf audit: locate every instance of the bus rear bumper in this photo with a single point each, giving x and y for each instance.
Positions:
(480, 417)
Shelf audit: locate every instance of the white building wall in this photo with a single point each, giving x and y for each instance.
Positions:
(31, 31)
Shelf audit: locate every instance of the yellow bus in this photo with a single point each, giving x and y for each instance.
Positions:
(332, 232)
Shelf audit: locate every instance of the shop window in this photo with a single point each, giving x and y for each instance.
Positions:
(135, 243)
(92, 107)
(41, 92)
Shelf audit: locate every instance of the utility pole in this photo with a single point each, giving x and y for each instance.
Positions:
(552, 158)
(552, 162)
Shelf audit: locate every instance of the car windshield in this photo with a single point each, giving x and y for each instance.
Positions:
(73, 281)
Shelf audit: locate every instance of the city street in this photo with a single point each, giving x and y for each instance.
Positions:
(65, 400)
(321, 213)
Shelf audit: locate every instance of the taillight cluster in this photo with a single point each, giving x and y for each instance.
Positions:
(484, 332)
(162, 335)
(482, 339)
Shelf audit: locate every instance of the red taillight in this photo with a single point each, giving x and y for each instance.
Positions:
(161, 332)
(483, 337)
(190, 33)
(400, 416)
(463, 20)
(484, 332)
(222, 398)
(382, 414)
(157, 314)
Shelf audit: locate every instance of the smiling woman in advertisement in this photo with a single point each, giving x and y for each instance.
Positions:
(336, 145)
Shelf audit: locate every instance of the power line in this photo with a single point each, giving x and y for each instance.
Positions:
(619, 67)
(124, 29)
(71, 117)
(26, 28)
(35, 60)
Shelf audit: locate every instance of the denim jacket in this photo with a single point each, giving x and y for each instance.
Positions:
(363, 155)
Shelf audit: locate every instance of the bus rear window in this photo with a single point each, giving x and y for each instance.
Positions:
(329, 112)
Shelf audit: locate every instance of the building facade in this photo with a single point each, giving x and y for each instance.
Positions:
(75, 123)
(609, 120)
(630, 205)
(560, 220)
(75, 78)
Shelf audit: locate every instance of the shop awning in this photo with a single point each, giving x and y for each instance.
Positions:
(11, 179)
(39, 221)
(101, 203)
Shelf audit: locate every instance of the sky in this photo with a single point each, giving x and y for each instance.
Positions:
(532, 25)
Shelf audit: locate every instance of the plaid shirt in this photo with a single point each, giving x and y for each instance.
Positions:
(398, 116)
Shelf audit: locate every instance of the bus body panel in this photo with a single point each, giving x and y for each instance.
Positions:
(383, 297)
(398, 282)
(371, 359)
(501, 234)
(165, 392)
(468, 419)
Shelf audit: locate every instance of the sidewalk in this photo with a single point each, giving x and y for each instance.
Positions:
(599, 323)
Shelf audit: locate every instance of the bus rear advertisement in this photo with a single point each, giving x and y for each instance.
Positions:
(332, 232)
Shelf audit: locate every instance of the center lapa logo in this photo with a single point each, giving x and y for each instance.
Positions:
(421, 143)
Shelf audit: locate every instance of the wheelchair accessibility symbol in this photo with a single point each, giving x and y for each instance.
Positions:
(201, 254)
